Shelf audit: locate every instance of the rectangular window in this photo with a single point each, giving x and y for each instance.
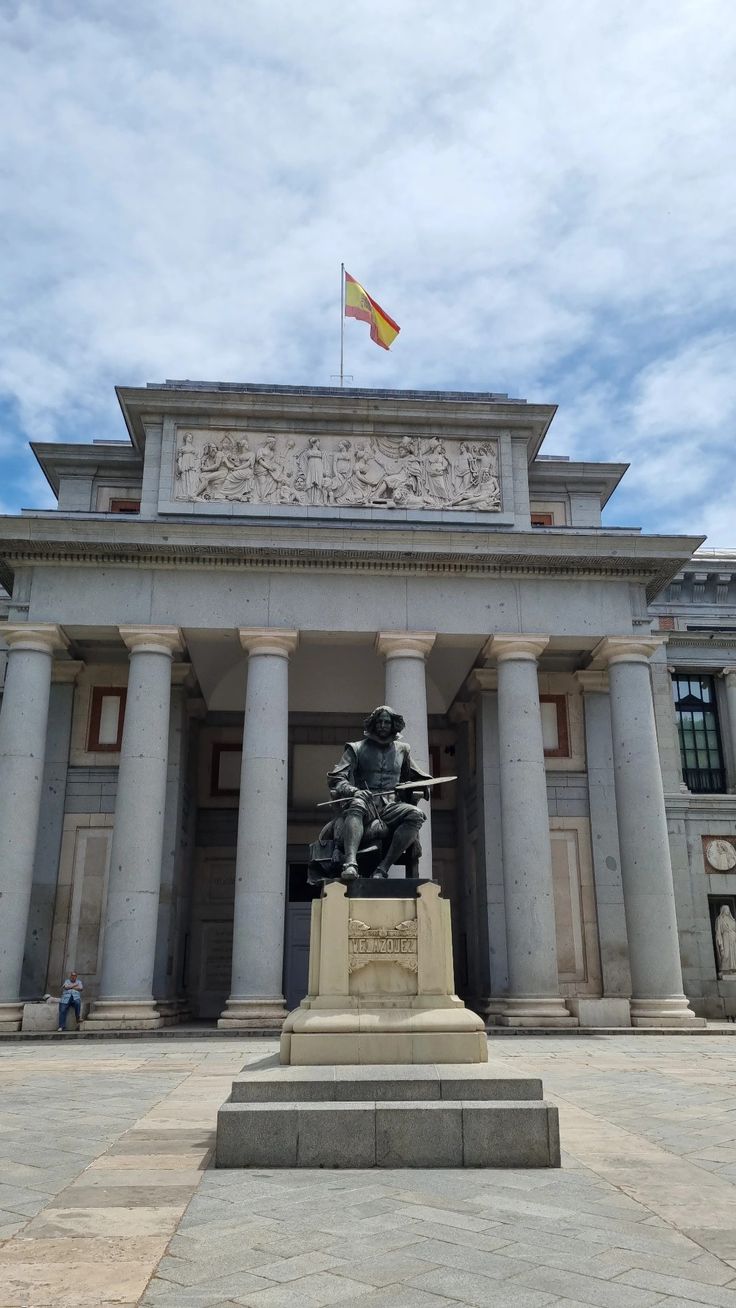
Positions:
(125, 506)
(225, 776)
(107, 711)
(697, 726)
(542, 520)
(555, 733)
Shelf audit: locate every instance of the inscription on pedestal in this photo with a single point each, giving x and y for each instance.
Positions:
(367, 944)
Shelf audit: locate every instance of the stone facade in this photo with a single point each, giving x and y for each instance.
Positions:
(190, 637)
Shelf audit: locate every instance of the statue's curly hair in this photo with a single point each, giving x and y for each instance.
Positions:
(397, 722)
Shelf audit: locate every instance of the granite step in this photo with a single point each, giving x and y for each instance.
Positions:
(272, 1083)
(433, 1133)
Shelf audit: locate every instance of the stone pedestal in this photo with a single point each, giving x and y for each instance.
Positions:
(381, 984)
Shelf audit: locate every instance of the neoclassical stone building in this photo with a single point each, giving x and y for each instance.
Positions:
(208, 615)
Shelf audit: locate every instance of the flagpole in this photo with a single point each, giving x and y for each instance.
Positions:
(342, 324)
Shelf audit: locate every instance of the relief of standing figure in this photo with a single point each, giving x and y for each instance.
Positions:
(312, 466)
(187, 468)
(268, 472)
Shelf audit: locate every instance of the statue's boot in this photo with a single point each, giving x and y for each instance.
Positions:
(349, 872)
(400, 842)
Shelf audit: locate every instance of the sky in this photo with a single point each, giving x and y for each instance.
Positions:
(542, 193)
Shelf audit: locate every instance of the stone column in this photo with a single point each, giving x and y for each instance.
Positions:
(64, 673)
(534, 995)
(406, 653)
(23, 723)
(256, 999)
(729, 677)
(614, 1007)
(646, 870)
(485, 682)
(131, 917)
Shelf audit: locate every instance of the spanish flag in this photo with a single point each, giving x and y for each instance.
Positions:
(359, 304)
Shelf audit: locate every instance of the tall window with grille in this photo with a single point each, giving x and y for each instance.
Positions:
(700, 741)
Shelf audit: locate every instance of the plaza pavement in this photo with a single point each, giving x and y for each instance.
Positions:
(106, 1196)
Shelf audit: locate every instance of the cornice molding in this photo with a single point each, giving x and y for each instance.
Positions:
(384, 563)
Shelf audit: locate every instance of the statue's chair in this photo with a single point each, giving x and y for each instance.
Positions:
(326, 853)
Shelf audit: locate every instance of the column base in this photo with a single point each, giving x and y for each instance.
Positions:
(11, 1016)
(123, 1015)
(664, 1012)
(173, 1011)
(490, 1010)
(253, 1015)
(535, 1012)
(601, 1011)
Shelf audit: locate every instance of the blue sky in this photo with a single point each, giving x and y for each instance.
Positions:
(541, 192)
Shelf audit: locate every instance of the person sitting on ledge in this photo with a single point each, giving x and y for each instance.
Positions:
(368, 767)
(71, 995)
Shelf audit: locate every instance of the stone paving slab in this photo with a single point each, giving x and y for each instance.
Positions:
(122, 1208)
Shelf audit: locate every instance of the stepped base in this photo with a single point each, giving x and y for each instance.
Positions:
(447, 1033)
(453, 1115)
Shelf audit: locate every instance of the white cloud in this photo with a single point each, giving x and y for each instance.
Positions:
(542, 195)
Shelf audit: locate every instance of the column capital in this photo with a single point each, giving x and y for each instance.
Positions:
(268, 640)
(626, 649)
(462, 711)
(182, 674)
(593, 679)
(43, 637)
(729, 674)
(404, 644)
(502, 648)
(152, 640)
(483, 679)
(64, 672)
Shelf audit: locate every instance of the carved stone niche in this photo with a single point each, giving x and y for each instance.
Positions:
(407, 472)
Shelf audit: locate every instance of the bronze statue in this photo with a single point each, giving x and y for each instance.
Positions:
(372, 789)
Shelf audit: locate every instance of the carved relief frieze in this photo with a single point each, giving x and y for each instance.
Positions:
(407, 472)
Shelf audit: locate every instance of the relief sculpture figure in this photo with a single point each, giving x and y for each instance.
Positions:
(268, 472)
(407, 472)
(215, 467)
(311, 466)
(238, 483)
(187, 467)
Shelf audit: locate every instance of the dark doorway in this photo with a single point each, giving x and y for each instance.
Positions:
(296, 944)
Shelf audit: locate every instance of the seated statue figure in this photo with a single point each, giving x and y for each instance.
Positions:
(372, 815)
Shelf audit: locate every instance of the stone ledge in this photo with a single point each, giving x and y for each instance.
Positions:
(434, 1133)
(380, 1083)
